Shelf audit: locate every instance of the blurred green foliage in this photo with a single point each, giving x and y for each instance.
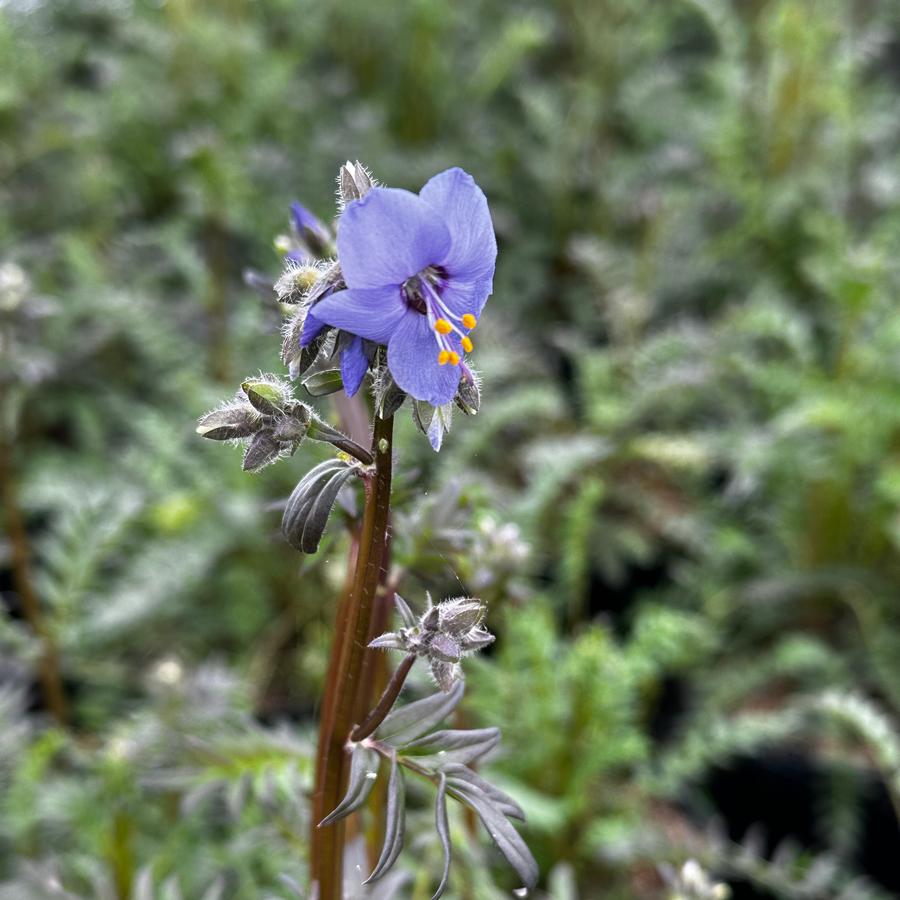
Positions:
(686, 468)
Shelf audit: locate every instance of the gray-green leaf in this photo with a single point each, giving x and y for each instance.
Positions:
(504, 835)
(395, 822)
(319, 384)
(453, 747)
(310, 504)
(443, 829)
(363, 772)
(314, 527)
(406, 614)
(409, 722)
(460, 774)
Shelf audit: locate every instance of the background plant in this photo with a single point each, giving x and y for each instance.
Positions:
(691, 427)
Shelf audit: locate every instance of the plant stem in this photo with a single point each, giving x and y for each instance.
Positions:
(48, 664)
(345, 667)
(374, 672)
(388, 698)
(342, 635)
(321, 431)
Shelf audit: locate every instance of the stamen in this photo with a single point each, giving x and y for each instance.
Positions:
(439, 318)
(438, 305)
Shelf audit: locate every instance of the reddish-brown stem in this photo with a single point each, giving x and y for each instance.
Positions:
(48, 664)
(388, 698)
(342, 634)
(345, 669)
(375, 672)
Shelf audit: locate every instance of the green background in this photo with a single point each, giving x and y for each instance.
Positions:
(681, 498)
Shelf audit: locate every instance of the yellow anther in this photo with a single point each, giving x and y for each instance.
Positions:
(442, 326)
(444, 357)
(454, 359)
(467, 345)
(469, 321)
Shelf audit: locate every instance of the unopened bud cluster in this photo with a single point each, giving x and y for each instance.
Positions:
(444, 634)
(263, 414)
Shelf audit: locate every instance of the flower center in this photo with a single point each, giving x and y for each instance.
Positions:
(423, 294)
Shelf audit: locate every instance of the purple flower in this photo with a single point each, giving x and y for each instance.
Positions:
(354, 365)
(310, 231)
(304, 220)
(418, 270)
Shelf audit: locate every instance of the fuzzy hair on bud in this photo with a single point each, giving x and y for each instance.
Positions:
(388, 396)
(267, 393)
(298, 359)
(262, 450)
(354, 181)
(468, 394)
(445, 674)
(460, 615)
(232, 421)
(298, 280)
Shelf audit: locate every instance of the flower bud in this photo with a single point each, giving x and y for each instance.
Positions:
(444, 648)
(460, 615)
(236, 420)
(388, 396)
(293, 426)
(303, 292)
(262, 450)
(290, 430)
(443, 633)
(431, 618)
(266, 394)
(310, 231)
(354, 181)
(295, 282)
(468, 394)
(298, 359)
(445, 675)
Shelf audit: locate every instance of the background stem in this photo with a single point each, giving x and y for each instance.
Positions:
(341, 699)
(48, 664)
